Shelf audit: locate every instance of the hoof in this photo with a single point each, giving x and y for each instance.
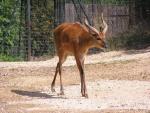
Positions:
(85, 95)
(61, 93)
(53, 89)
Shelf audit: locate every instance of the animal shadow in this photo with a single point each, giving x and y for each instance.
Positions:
(34, 94)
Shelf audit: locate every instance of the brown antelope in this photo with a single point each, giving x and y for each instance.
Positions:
(76, 39)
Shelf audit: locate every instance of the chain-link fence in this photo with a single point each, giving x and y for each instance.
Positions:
(19, 18)
(27, 25)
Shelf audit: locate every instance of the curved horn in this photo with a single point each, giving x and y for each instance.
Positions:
(87, 24)
(91, 29)
(105, 24)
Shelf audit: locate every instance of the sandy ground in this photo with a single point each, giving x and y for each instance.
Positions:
(118, 82)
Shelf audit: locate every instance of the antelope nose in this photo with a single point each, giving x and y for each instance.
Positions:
(105, 45)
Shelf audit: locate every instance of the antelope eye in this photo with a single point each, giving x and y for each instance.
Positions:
(98, 38)
(94, 34)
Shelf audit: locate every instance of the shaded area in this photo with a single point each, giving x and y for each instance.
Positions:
(34, 94)
(136, 51)
(130, 40)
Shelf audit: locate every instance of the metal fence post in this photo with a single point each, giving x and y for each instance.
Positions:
(29, 30)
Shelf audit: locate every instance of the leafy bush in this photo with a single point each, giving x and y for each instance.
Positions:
(129, 41)
(9, 21)
(4, 57)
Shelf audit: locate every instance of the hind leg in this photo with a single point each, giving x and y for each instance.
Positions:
(62, 58)
(61, 61)
(54, 79)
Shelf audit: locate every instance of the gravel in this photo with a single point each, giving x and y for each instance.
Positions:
(104, 94)
(107, 57)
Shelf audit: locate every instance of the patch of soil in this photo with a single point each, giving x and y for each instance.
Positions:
(117, 82)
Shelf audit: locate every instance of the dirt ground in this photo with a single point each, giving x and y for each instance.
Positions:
(118, 82)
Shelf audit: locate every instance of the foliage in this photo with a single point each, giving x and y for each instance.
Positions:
(4, 57)
(129, 40)
(13, 35)
(42, 24)
(9, 24)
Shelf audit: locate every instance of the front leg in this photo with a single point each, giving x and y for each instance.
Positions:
(80, 64)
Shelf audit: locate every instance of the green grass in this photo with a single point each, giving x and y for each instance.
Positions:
(10, 58)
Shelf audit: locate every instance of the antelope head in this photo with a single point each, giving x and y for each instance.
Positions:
(98, 36)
